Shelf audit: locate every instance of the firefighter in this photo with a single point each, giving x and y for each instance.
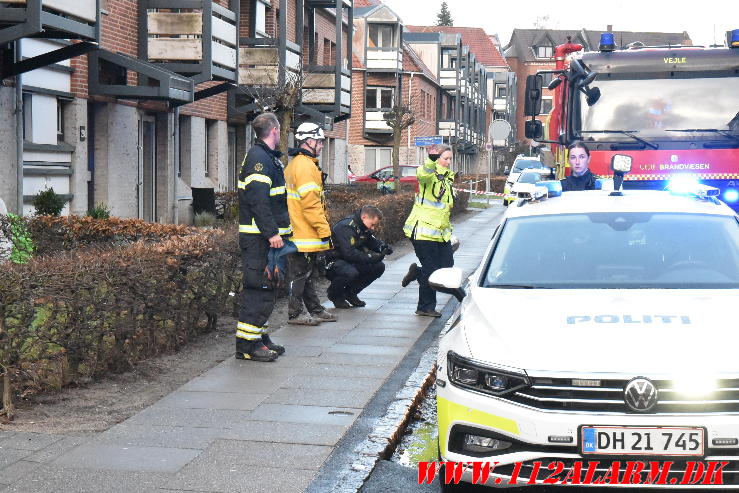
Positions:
(580, 176)
(263, 222)
(428, 226)
(311, 231)
(356, 261)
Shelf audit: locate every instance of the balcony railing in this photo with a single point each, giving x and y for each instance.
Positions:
(384, 59)
(198, 42)
(261, 64)
(375, 123)
(60, 19)
(447, 128)
(320, 88)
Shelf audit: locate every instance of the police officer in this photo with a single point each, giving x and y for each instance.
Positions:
(263, 221)
(356, 260)
(311, 232)
(428, 226)
(580, 176)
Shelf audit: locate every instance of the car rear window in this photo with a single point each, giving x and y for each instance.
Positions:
(617, 250)
(522, 164)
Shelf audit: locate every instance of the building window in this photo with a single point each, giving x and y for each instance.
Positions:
(449, 58)
(546, 105)
(260, 17)
(381, 36)
(500, 90)
(547, 78)
(378, 98)
(27, 116)
(210, 127)
(543, 51)
(376, 158)
(59, 121)
(329, 52)
(499, 115)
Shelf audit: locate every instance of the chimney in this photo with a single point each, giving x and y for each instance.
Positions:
(609, 28)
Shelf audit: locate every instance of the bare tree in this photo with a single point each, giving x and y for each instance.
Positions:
(398, 119)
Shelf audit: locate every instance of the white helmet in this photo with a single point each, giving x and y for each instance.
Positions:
(309, 130)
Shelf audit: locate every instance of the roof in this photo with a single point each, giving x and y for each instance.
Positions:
(476, 38)
(522, 40)
(631, 201)
(366, 3)
(356, 62)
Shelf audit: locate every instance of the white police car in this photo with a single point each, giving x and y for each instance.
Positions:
(598, 328)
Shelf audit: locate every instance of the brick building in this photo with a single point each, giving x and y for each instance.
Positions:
(159, 109)
(531, 50)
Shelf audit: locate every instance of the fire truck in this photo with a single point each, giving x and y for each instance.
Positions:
(673, 109)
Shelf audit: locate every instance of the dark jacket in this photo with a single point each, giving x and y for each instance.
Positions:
(573, 183)
(354, 243)
(262, 194)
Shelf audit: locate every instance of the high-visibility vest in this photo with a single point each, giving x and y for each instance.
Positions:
(430, 218)
(306, 204)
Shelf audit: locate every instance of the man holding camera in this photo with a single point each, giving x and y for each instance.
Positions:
(357, 257)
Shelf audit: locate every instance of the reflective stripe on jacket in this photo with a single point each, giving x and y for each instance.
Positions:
(430, 217)
(306, 203)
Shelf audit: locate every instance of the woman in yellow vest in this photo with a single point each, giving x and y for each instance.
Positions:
(428, 226)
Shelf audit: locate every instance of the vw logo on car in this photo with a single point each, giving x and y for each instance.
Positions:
(640, 395)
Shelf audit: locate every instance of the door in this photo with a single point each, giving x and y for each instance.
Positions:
(232, 159)
(147, 182)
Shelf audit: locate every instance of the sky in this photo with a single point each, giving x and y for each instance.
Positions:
(699, 19)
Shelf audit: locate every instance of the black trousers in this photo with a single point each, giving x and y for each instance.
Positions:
(257, 300)
(347, 278)
(433, 255)
(302, 277)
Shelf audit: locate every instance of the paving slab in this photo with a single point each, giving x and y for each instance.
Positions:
(127, 434)
(127, 458)
(305, 414)
(318, 382)
(17, 470)
(29, 441)
(197, 418)
(239, 453)
(57, 448)
(212, 400)
(10, 456)
(367, 349)
(65, 480)
(336, 398)
(286, 432)
(224, 478)
(379, 340)
(327, 370)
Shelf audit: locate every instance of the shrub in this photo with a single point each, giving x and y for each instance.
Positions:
(100, 211)
(204, 219)
(48, 203)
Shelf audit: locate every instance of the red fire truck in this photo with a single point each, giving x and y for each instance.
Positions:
(674, 110)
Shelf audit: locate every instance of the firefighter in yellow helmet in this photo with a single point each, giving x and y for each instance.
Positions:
(311, 231)
(428, 226)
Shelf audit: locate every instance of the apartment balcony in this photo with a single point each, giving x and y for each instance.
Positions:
(326, 92)
(447, 128)
(262, 63)
(384, 59)
(200, 42)
(374, 123)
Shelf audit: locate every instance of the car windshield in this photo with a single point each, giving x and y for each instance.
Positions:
(521, 164)
(616, 250)
(529, 178)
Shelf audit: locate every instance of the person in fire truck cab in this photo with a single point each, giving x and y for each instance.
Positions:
(580, 176)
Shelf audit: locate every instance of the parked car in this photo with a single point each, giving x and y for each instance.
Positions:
(407, 175)
(521, 163)
(526, 184)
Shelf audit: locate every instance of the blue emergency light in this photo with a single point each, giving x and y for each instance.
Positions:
(731, 196)
(554, 187)
(734, 39)
(604, 184)
(607, 42)
(685, 185)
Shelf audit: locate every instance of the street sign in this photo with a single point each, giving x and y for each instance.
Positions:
(428, 141)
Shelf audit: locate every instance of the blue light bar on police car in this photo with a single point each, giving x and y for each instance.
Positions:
(734, 39)
(731, 196)
(604, 184)
(686, 185)
(554, 187)
(607, 42)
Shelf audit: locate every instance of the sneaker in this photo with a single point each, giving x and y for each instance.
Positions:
(354, 301)
(428, 313)
(272, 346)
(324, 316)
(303, 319)
(340, 303)
(256, 351)
(411, 275)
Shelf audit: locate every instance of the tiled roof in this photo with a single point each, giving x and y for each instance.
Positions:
(366, 3)
(356, 62)
(479, 42)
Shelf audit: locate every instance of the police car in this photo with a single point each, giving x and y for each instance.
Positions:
(599, 327)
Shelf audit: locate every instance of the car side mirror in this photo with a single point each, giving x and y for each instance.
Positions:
(449, 281)
(534, 129)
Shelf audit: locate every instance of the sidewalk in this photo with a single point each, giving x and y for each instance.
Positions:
(245, 426)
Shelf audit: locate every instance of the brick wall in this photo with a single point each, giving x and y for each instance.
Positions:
(522, 70)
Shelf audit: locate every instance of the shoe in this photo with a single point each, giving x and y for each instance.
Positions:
(411, 275)
(277, 348)
(340, 303)
(255, 351)
(428, 313)
(354, 301)
(303, 319)
(324, 316)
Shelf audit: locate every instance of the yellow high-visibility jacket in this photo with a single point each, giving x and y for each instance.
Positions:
(430, 217)
(306, 203)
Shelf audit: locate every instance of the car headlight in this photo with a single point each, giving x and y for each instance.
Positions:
(473, 375)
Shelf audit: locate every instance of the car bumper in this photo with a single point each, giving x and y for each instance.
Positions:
(530, 430)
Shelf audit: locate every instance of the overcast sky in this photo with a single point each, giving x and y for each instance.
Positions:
(700, 19)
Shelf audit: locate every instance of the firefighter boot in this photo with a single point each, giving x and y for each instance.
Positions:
(303, 319)
(411, 275)
(354, 300)
(277, 348)
(339, 302)
(324, 316)
(254, 350)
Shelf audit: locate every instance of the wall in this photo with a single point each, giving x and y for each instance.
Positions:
(8, 143)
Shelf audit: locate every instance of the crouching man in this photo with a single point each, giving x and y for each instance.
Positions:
(356, 261)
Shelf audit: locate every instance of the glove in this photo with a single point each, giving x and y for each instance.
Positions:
(375, 257)
(330, 241)
(386, 249)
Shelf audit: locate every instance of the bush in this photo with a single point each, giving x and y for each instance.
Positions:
(77, 315)
(204, 219)
(100, 211)
(48, 203)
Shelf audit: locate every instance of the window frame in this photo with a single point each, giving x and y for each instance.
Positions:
(378, 26)
(378, 98)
